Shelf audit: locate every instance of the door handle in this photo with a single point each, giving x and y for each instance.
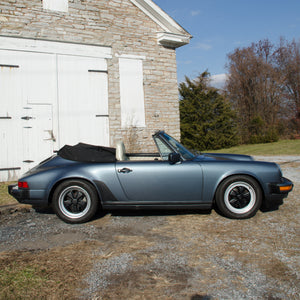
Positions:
(124, 170)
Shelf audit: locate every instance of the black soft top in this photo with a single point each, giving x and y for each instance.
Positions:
(88, 153)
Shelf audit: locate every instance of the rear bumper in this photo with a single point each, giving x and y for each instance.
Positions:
(23, 196)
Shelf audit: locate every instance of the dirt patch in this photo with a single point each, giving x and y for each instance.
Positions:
(157, 255)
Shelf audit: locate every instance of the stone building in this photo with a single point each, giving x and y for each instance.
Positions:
(93, 71)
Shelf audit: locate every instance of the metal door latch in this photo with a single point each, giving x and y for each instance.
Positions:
(52, 137)
(124, 170)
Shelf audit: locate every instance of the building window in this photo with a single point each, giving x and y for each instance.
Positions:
(132, 92)
(57, 5)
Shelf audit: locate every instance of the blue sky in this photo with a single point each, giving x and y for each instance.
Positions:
(220, 26)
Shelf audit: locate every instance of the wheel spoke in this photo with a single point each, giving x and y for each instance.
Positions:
(80, 196)
(67, 202)
(246, 194)
(241, 189)
(81, 206)
(75, 194)
(233, 192)
(82, 201)
(234, 202)
(74, 208)
(69, 195)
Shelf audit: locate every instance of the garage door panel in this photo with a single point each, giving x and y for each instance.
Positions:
(83, 100)
(38, 134)
(39, 77)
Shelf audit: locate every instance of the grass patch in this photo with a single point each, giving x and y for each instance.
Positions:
(5, 198)
(283, 147)
(18, 282)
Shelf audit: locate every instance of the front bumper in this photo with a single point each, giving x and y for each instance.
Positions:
(23, 195)
(282, 188)
(277, 192)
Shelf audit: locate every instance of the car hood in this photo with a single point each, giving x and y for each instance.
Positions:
(222, 156)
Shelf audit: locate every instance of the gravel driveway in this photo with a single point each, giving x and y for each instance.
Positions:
(186, 255)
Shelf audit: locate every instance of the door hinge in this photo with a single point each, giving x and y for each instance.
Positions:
(9, 66)
(26, 118)
(102, 116)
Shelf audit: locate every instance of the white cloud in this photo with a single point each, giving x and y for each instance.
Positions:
(203, 46)
(195, 13)
(218, 81)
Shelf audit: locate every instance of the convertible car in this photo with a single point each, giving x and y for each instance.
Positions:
(79, 180)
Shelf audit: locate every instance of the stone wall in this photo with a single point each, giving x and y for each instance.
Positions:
(127, 30)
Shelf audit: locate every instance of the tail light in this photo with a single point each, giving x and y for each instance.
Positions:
(23, 185)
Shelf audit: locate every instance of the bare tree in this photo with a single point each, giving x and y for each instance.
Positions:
(255, 87)
(287, 60)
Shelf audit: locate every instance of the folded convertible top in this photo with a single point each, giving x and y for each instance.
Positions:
(88, 153)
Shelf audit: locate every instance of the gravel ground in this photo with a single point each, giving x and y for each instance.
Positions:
(186, 255)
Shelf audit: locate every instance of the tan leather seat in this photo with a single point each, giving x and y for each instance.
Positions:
(120, 151)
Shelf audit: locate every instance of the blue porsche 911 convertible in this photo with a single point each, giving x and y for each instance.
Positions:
(79, 180)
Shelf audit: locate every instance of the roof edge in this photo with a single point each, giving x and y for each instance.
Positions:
(161, 18)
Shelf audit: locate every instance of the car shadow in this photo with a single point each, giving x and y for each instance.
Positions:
(47, 210)
(201, 297)
(153, 212)
(271, 207)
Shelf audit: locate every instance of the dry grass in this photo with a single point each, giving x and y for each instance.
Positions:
(5, 198)
(52, 274)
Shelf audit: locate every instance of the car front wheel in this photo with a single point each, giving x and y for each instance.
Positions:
(239, 197)
(75, 201)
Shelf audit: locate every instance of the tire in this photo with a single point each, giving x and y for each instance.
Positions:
(239, 197)
(75, 201)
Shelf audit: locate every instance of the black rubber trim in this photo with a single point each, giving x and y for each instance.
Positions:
(105, 194)
(156, 205)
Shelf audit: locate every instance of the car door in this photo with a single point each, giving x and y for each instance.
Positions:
(160, 181)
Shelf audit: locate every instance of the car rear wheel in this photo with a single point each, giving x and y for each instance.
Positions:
(239, 197)
(75, 201)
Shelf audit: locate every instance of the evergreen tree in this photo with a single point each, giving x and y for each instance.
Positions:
(207, 121)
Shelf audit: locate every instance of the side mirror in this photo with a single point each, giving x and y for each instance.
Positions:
(174, 158)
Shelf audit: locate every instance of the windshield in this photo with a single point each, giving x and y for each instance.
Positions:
(170, 145)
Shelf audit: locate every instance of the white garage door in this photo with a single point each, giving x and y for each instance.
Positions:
(48, 100)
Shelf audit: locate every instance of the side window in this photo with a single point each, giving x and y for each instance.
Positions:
(163, 149)
(57, 5)
(132, 92)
